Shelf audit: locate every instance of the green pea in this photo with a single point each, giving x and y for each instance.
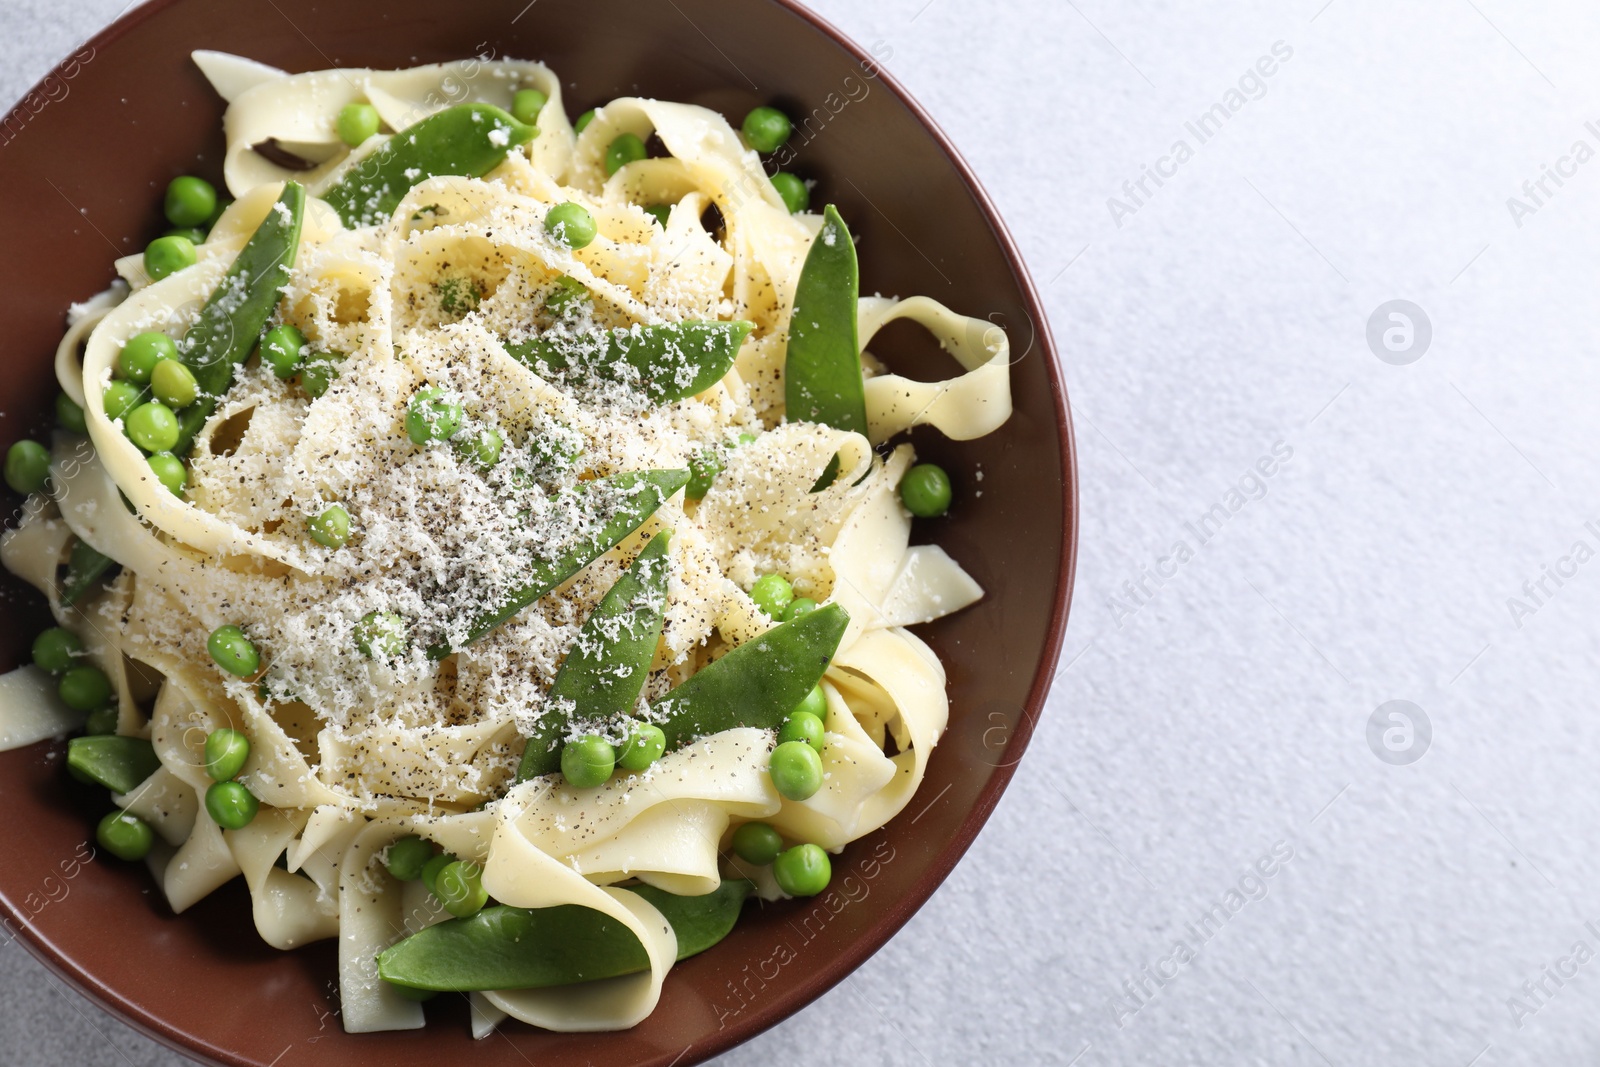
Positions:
(925, 491)
(56, 649)
(483, 447)
(660, 212)
(174, 384)
(408, 856)
(796, 770)
(168, 255)
(230, 805)
(190, 201)
(570, 224)
(803, 871)
(102, 720)
(193, 234)
(460, 295)
(703, 470)
(432, 417)
(459, 887)
(169, 471)
(757, 843)
(382, 634)
(431, 869)
(646, 742)
(233, 651)
(125, 836)
(141, 353)
(331, 529)
(567, 297)
(795, 193)
(526, 105)
(800, 605)
(320, 371)
(284, 349)
(815, 703)
(772, 594)
(356, 122)
(84, 688)
(27, 467)
(153, 427)
(69, 414)
(583, 120)
(625, 148)
(802, 726)
(765, 128)
(588, 761)
(120, 398)
(226, 752)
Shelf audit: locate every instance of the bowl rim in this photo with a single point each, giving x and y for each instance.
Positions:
(834, 971)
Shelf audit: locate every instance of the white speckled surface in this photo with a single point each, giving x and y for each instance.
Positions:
(1221, 711)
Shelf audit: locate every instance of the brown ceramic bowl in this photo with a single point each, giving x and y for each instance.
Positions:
(89, 153)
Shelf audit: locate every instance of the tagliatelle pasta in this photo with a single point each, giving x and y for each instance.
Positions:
(361, 737)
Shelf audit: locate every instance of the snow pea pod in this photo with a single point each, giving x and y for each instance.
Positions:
(503, 947)
(649, 489)
(757, 684)
(468, 140)
(86, 567)
(116, 762)
(665, 362)
(191, 420)
(231, 321)
(606, 668)
(822, 379)
(699, 922)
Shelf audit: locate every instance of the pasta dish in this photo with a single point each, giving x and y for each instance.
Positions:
(489, 537)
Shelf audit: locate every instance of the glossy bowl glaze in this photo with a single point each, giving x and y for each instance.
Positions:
(90, 151)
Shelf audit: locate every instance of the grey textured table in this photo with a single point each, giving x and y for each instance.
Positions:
(1229, 844)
